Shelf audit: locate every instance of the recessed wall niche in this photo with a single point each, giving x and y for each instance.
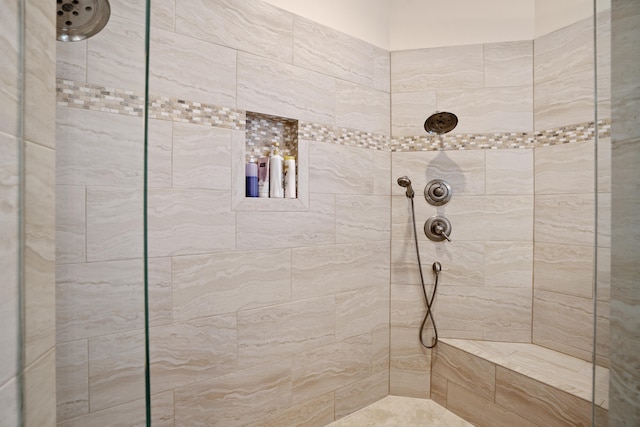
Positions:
(261, 132)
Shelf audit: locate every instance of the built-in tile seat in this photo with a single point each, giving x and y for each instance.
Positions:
(504, 383)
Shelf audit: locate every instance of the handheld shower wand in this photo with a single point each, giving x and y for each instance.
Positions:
(404, 181)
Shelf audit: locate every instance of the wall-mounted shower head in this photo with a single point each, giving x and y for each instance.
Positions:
(440, 123)
(404, 181)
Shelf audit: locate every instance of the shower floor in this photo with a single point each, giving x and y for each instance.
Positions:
(399, 411)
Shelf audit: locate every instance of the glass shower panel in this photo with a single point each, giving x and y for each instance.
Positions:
(100, 265)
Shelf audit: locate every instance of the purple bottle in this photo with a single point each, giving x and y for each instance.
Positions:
(251, 173)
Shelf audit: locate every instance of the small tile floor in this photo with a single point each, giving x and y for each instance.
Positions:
(396, 411)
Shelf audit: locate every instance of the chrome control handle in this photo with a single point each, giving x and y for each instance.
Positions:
(439, 229)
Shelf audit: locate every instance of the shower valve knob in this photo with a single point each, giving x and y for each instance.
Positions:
(437, 229)
(437, 192)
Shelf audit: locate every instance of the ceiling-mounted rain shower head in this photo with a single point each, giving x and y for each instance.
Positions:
(404, 181)
(80, 19)
(440, 123)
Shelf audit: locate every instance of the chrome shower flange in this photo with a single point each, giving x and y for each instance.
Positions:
(437, 192)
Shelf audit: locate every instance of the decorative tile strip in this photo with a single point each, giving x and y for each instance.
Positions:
(98, 98)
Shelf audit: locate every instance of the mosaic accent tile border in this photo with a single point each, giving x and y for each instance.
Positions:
(262, 130)
(98, 98)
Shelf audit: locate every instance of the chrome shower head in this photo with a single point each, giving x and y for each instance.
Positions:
(404, 181)
(440, 123)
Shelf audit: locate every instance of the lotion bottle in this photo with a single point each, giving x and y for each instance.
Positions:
(251, 173)
(276, 170)
(289, 177)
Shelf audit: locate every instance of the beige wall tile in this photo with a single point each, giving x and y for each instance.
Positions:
(201, 157)
(235, 399)
(470, 372)
(9, 400)
(360, 218)
(566, 269)
(185, 222)
(407, 307)
(114, 223)
(281, 330)
(71, 61)
(339, 169)
(160, 291)
(163, 14)
(98, 298)
(205, 285)
(70, 224)
(361, 311)
(539, 403)
(509, 171)
(407, 353)
(250, 26)
(115, 56)
(358, 106)
(409, 383)
(382, 173)
(409, 110)
(566, 168)
(317, 46)
(159, 145)
(448, 67)
(380, 349)
(183, 67)
(552, 214)
(362, 393)
(130, 414)
(509, 264)
(39, 391)
(381, 69)
(72, 379)
(9, 69)
(439, 386)
(276, 88)
(330, 367)
(314, 412)
(508, 64)
(94, 148)
(326, 270)
(116, 369)
(182, 353)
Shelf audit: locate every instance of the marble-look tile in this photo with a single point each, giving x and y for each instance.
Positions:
(183, 222)
(496, 218)
(509, 264)
(409, 383)
(552, 214)
(563, 76)
(381, 69)
(160, 291)
(439, 386)
(249, 26)
(566, 269)
(115, 56)
(409, 110)
(360, 218)
(407, 308)
(338, 169)
(38, 252)
(604, 165)
(356, 396)
(603, 62)
(10, 45)
(408, 354)
(332, 52)
(566, 168)
(130, 414)
(276, 88)
(481, 411)
(289, 229)
(437, 68)
(311, 413)
(316, 372)
(39, 56)
(70, 224)
(72, 379)
(563, 323)
(162, 412)
(235, 399)
(190, 69)
(402, 411)
(98, 298)
(71, 61)
(382, 173)
(362, 108)
(327, 270)
(205, 285)
(489, 110)
(94, 148)
(9, 401)
(134, 10)
(509, 171)
(159, 152)
(463, 170)
(163, 14)
(539, 403)
(604, 220)
(116, 369)
(494, 311)
(114, 224)
(201, 157)
(380, 349)
(39, 391)
(182, 353)
(469, 372)
(278, 331)
(361, 311)
(508, 64)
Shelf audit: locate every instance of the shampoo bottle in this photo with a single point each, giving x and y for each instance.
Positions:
(276, 165)
(263, 176)
(289, 177)
(251, 173)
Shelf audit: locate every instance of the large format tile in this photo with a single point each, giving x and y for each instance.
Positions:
(278, 331)
(565, 168)
(205, 285)
(509, 171)
(566, 269)
(9, 400)
(249, 26)
(326, 270)
(39, 388)
(363, 108)
(552, 214)
(409, 110)
(355, 396)
(186, 352)
(310, 413)
(10, 45)
(508, 64)
(190, 69)
(341, 170)
(70, 224)
(72, 379)
(159, 160)
(361, 311)
(183, 222)
(276, 88)
(360, 218)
